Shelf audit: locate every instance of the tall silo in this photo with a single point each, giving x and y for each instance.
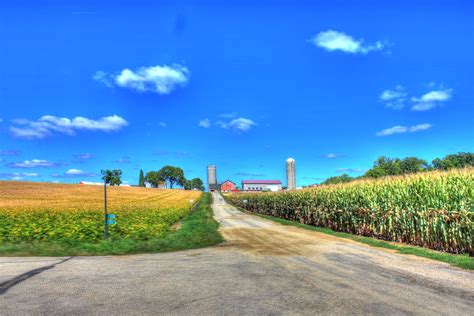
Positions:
(290, 174)
(211, 177)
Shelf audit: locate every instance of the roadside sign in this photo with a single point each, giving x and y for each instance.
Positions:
(110, 219)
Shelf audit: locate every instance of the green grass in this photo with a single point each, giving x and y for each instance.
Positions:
(198, 229)
(463, 261)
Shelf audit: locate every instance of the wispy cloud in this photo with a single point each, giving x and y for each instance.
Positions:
(332, 156)
(18, 175)
(35, 163)
(206, 123)
(431, 99)
(85, 156)
(399, 129)
(395, 98)
(48, 125)
(156, 79)
(74, 173)
(162, 124)
(331, 40)
(240, 124)
(123, 160)
(9, 152)
(349, 170)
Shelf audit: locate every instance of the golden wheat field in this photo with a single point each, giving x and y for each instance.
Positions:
(42, 211)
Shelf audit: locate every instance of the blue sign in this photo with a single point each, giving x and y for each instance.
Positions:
(110, 216)
(111, 221)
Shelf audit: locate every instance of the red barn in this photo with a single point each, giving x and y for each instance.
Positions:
(228, 186)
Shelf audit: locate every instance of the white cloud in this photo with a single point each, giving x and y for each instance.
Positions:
(104, 78)
(403, 129)
(221, 124)
(332, 156)
(331, 40)
(123, 160)
(19, 175)
(205, 123)
(72, 173)
(432, 99)
(85, 156)
(156, 79)
(162, 124)
(395, 98)
(48, 124)
(35, 163)
(241, 124)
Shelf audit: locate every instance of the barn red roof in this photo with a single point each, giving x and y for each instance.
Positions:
(261, 182)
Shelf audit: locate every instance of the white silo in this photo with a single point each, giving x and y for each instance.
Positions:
(211, 177)
(290, 174)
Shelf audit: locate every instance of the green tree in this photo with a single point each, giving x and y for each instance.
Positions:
(141, 179)
(195, 183)
(154, 178)
(173, 175)
(413, 165)
(338, 179)
(459, 160)
(385, 166)
(112, 177)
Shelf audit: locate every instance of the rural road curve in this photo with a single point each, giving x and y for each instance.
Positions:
(263, 268)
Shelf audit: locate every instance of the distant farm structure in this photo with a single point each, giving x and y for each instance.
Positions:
(212, 184)
(252, 185)
(261, 185)
(290, 174)
(228, 186)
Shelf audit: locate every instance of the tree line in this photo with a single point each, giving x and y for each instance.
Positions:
(166, 175)
(172, 176)
(385, 166)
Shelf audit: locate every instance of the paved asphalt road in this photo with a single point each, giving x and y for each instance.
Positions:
(263, 268)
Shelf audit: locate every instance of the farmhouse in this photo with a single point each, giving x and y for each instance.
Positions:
(228, 186)
(261, 185)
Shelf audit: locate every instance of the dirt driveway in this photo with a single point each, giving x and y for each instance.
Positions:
(263, 268)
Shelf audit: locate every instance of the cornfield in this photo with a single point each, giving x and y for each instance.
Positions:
(434, 209)
(41, 211)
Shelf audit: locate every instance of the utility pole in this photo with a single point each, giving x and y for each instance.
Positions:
(106, 222)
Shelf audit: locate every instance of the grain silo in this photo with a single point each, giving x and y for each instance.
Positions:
(212, 178)
(290, 174)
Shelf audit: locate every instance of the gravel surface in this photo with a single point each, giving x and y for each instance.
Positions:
(263, 268)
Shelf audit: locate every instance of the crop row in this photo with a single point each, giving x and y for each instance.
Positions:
(434, 210)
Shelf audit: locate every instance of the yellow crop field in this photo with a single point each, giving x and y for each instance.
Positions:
(44, 211)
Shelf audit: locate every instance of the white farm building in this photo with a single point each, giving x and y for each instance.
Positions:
(261, 185)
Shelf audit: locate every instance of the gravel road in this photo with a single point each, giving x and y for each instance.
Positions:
(263, 268)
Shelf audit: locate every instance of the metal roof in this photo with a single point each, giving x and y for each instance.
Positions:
(261, 182)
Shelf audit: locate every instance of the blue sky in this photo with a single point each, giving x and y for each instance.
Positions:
(240, 84)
